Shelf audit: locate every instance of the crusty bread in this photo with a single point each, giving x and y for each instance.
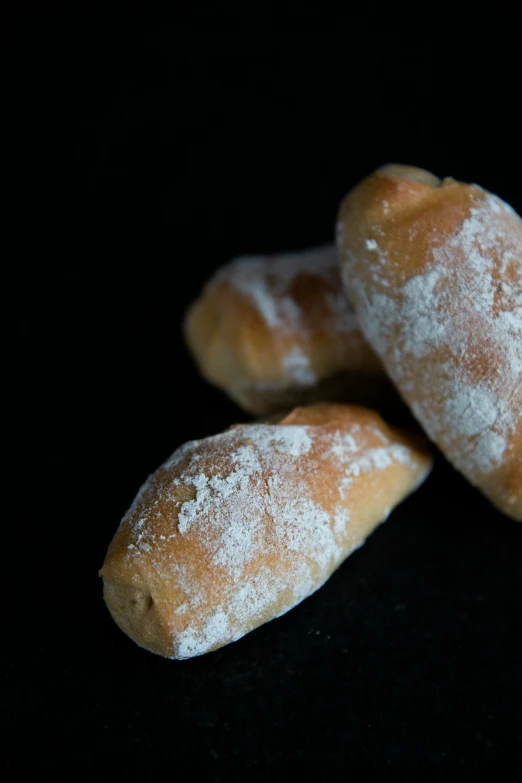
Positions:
(277, 331)
(236, 529)
(434, 270)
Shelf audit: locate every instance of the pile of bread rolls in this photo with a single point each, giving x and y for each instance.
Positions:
(420, 301)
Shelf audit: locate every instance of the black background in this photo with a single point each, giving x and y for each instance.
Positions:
(148, 154)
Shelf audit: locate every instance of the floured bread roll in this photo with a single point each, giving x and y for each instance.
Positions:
(277, 331)
(435, 272)
(236, 529)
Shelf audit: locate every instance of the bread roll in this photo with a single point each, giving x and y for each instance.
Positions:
(277, 331)
(435, 272)
(238, 528)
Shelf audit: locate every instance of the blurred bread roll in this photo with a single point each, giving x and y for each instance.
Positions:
(236, 529)
(277, 331)
(434, 269)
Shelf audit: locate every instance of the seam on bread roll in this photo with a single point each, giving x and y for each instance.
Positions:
(236, 529)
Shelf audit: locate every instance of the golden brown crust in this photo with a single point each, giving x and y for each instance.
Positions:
(434, 270)
(236, 529)
(277, 331)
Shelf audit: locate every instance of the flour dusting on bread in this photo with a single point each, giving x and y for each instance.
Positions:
(270, 283)
(442, 307)
(276, 331)
(265, 511)
(462, 298)
(268, 280)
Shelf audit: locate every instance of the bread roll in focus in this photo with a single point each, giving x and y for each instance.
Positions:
(434, 269)
(236, 529)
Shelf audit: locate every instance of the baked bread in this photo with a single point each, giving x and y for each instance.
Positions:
(277, 331)
(236, 529)
(434, 269)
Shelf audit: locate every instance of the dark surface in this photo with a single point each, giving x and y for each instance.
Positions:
(169, 150)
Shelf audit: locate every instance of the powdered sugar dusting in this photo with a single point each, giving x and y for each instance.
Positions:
(437, 329)
(246, 497)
